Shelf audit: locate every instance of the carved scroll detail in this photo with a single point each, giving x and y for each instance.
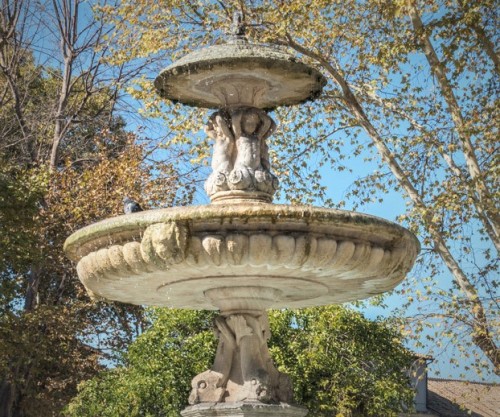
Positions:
(166, 244)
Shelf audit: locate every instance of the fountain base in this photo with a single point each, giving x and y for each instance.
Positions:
(243, 369)
(243, 409)
(243, 373)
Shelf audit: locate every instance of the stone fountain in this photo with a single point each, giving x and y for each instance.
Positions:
(241, 254)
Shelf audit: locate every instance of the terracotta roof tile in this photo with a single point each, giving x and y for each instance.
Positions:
(450, 398)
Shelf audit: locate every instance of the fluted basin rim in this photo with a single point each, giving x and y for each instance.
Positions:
(296, 256)
(124, 228)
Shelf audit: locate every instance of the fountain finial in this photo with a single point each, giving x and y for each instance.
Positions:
(238, 26)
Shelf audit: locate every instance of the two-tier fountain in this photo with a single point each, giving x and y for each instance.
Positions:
(241, 254)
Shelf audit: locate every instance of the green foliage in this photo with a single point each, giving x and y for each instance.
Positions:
(51, 336)
(20, 193)
(160, 366)
(43, 357)
(340, 363)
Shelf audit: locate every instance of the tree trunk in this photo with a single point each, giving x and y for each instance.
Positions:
(60, 128)
(7, 398)
(67, 20)
(31, 297)
(439, 70)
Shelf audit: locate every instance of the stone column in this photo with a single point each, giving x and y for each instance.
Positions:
(240, 160)
(243, 380)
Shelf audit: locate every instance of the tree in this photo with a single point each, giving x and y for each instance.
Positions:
(339, 363)
(413, 90)
(52, 342)
(159, 367)
(66, 160)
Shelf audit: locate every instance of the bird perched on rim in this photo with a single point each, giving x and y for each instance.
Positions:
(131, 206)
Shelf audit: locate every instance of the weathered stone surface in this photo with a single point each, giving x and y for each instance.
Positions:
(240, 158)
(243, 409)
(241, 259)
(243, 369)
(309, 256)
(242, 74)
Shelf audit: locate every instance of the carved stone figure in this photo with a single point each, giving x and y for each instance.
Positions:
(223, 150)
(243, 369)
(240, 159)
(251, 128)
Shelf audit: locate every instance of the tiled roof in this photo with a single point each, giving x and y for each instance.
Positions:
(450, 398)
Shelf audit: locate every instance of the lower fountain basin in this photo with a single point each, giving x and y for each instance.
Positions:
(265, 255)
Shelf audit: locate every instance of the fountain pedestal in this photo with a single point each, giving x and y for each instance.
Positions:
(243, 369)
(241, 259)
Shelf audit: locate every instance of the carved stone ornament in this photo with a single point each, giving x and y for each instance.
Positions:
(243, 369)
(240, 159)
(241, 259)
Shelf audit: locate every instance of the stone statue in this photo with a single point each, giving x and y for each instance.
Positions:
(218, 129)
(240, 159)
(223, 152)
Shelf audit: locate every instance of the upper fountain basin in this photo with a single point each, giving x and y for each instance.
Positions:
(239, 74)
(202, 257)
